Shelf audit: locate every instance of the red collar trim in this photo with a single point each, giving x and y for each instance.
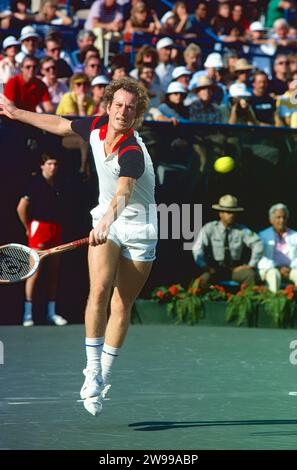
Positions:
(122, 139)
(103, 131)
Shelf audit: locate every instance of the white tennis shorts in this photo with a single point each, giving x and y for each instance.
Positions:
(137, 241)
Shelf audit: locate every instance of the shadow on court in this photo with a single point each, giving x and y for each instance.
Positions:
(164, 426)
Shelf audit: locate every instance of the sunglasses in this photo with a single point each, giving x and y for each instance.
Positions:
(81, 84)
(282, 62)
(54, 49)
(94, 65)
(47, 69)
(30, 67)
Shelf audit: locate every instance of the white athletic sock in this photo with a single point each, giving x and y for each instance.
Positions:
(109, 354)
(27, 315)
(94, 349)
(51, 309)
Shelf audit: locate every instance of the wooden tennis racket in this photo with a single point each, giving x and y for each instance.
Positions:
(18, 262)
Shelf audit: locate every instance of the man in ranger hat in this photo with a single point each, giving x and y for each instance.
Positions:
(220, 246)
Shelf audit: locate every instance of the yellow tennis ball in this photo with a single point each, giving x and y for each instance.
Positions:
(224, 164)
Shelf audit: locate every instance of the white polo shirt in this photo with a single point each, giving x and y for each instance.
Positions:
(128, 158)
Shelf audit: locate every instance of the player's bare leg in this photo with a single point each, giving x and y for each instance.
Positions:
(103, 261)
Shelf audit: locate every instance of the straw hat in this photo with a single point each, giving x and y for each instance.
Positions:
(202, 82)
(241, 65)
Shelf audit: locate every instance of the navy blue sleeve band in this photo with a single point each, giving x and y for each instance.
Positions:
(82, 127)
(131, 163)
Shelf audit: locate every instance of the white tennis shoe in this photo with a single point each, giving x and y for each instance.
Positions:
(93, 405)
(93, 384)
(57, 320)
(28, 322)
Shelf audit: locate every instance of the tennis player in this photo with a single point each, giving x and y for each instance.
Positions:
(124, 235)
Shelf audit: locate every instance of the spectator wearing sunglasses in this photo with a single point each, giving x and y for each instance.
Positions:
(56, 87)
(278, 85)
(76, 102)
(53, 49)
(92, 67)
(27, 91)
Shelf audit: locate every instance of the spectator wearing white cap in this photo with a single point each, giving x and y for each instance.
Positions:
(213, 68)
(243, 113)
(8, 65)
(98, 85)
(168, 23)
(241, 110)
(212, 65)
(29, 39)
(206, 111)
(173, 107)
(165, 67)
(182, 75)
(261, 47)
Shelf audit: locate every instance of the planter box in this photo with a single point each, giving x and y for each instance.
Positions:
(214, 314)
(150, 311)
(265, 320)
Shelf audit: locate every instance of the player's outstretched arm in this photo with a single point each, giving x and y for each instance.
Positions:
(47, 122)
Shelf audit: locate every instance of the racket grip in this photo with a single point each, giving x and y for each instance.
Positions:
(81, 242)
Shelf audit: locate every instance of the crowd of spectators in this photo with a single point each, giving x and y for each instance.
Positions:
(205, 61)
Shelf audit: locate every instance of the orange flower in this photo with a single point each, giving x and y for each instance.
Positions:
(160, 294)
(174, 289)
(219, 288)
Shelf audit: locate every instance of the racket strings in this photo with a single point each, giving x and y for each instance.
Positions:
(15, 263)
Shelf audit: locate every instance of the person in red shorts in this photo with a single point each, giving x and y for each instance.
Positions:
(39, 210)
(26, 90)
